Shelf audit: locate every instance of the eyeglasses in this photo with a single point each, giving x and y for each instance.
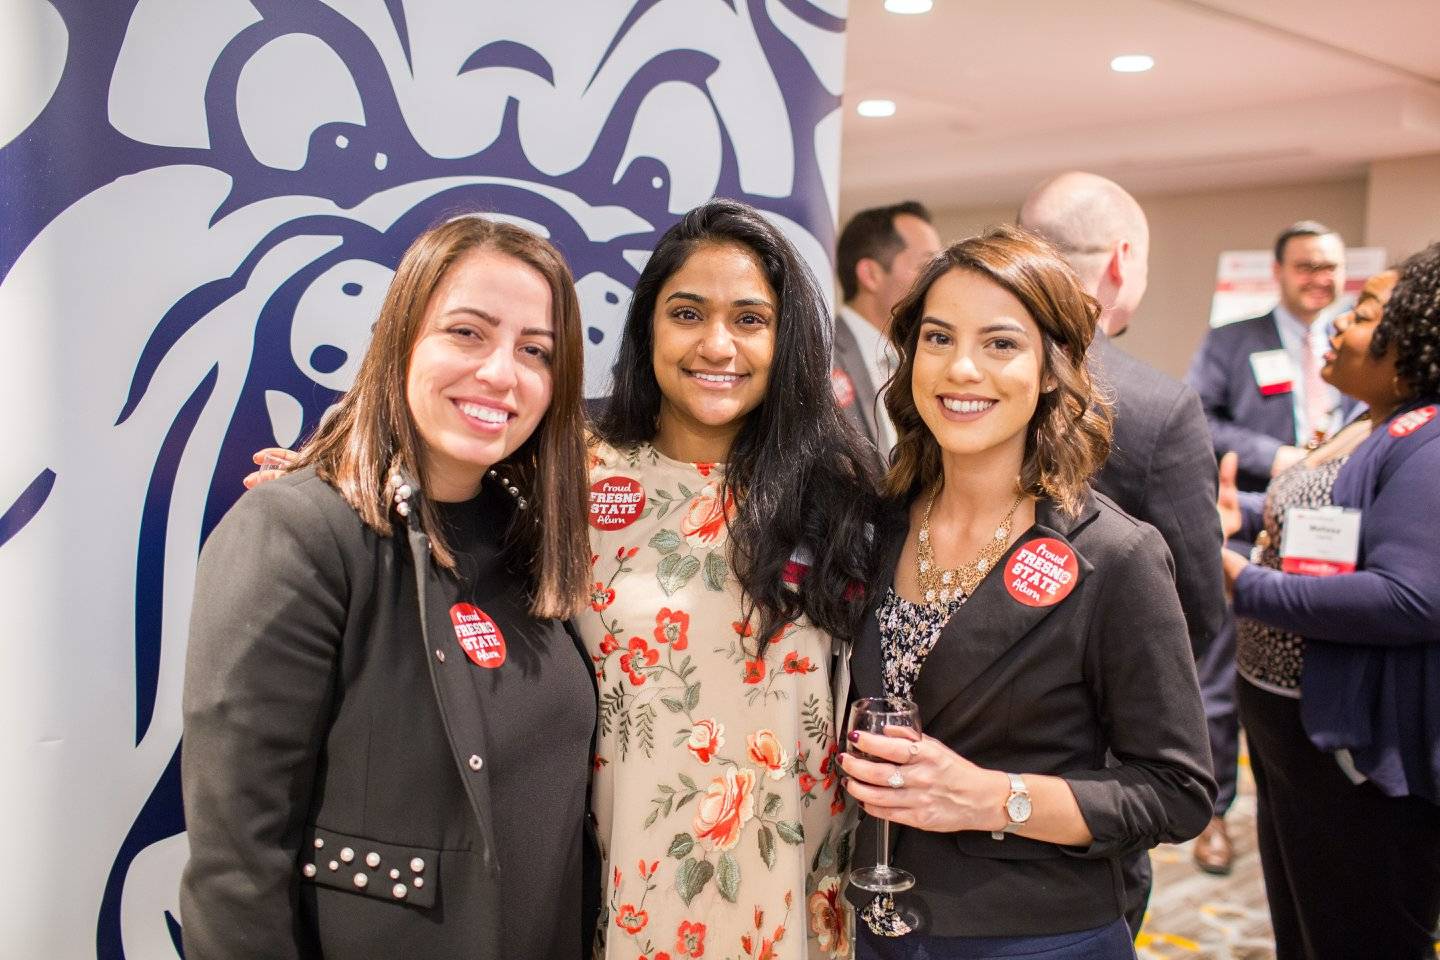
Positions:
(1309, 269)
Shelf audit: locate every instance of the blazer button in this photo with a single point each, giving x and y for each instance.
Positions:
(475, 762)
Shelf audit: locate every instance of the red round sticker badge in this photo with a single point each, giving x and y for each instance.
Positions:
(615, 503)
(479, 636)
(1412, 421)
(844, 389)
(1042, 572)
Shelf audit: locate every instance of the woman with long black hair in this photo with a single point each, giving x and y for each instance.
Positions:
(729, 511)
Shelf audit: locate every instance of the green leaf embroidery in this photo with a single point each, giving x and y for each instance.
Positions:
(650, 820)
(674, 706)
(666, 541)
(687, 798)
(675, 571)
(688, 782)
(767, 847)
(715, 570)
(772, 805)
(825, 856)
(681, 846)
(686, 492)
(692, 696)
(691, 877)
(728, 879)
(791, 831)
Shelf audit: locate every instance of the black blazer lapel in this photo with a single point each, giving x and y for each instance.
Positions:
(993, 621)
(456, 695)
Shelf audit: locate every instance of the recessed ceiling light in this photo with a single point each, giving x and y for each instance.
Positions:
(1132, 63)
(875, 108)
(909, 6)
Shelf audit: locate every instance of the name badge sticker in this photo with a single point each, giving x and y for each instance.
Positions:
(615, 503)
(1274, 372)
(844, 388)
(1408, 423)
(1320, 542)
(1042, 572)
(478, 635)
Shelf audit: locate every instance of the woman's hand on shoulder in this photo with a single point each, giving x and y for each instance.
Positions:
(924, 784)
(273, 462)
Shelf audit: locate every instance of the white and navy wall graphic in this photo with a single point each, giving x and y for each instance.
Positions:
(201, 204)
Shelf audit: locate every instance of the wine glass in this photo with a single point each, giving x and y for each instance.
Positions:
(873, 715)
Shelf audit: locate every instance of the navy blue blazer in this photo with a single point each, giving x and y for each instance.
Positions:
(1240, 417)
(1372, 638)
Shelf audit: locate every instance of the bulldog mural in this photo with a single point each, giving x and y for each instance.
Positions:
(203, 204)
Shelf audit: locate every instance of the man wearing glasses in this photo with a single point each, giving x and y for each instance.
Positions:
(1259, 382)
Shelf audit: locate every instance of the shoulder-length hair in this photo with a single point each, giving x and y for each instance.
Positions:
(802, 476)
(1411, 322)
(371, 433)
(1068, 438)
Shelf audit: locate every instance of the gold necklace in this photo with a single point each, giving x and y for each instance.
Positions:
(941, 585)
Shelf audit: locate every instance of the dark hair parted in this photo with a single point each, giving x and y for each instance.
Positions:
(801, 475)
(1411, 322)
(1300, 228)
(871, 234)
(1068, 437)
(372, 432)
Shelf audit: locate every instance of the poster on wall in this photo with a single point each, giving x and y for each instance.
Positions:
(202, 207)
(1245, 282)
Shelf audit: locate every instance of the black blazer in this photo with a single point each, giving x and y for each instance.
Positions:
(1161, 470)
(1098, 688)
(328, 706)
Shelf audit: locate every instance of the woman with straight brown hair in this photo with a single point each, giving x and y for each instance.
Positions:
(1033, 624)
(387, 725)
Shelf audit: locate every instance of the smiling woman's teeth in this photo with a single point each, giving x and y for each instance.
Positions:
(717, 377)
(488, 414)
(967, 406)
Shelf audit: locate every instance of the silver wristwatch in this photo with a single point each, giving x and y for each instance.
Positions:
(1017, 807)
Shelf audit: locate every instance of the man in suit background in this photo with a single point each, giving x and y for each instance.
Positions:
(1161, 468)
(1259, 382)
(878, 256)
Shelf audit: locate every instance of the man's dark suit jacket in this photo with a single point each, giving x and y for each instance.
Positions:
(319, 717)
(1162, 470)
(1240, 417)
(1098, 688)
(851, 379)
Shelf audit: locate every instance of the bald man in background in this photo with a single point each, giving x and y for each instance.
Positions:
(1162, 467)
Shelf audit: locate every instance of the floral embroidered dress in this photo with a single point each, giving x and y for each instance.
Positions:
(716, 789)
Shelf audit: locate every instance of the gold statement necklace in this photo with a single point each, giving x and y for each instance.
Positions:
(940, 586)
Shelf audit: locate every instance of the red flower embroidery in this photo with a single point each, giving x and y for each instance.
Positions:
(827, 917)
(764, 750)
(704, 468)
(794, 663)
(706, 739)
(704, 522)
(807, 783)
(637, 658)
(647, 870)
(630, 920)
(743, 629)
(601, 597)
(672, 627)
(609, 645)
(624, 553)
(690, 939)
(754, 670)
(728, 804)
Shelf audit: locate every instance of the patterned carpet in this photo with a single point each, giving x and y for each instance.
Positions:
(1202, 917)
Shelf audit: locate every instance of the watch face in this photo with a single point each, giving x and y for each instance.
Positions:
(1018, 808)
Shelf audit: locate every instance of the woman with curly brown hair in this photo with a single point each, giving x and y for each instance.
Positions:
(1035, 625)
(1338, 642)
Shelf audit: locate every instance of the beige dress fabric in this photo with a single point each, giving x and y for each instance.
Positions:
(716, 789)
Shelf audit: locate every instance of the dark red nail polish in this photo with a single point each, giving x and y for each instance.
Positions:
(854, 736)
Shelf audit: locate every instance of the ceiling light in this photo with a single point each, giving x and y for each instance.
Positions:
(1132, 63)
(875, 108)
(909, 6)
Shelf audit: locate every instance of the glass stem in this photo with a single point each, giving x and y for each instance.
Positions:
(882, 855)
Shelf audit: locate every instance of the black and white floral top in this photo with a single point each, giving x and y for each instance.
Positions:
(908, 632)
(1267, 656)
